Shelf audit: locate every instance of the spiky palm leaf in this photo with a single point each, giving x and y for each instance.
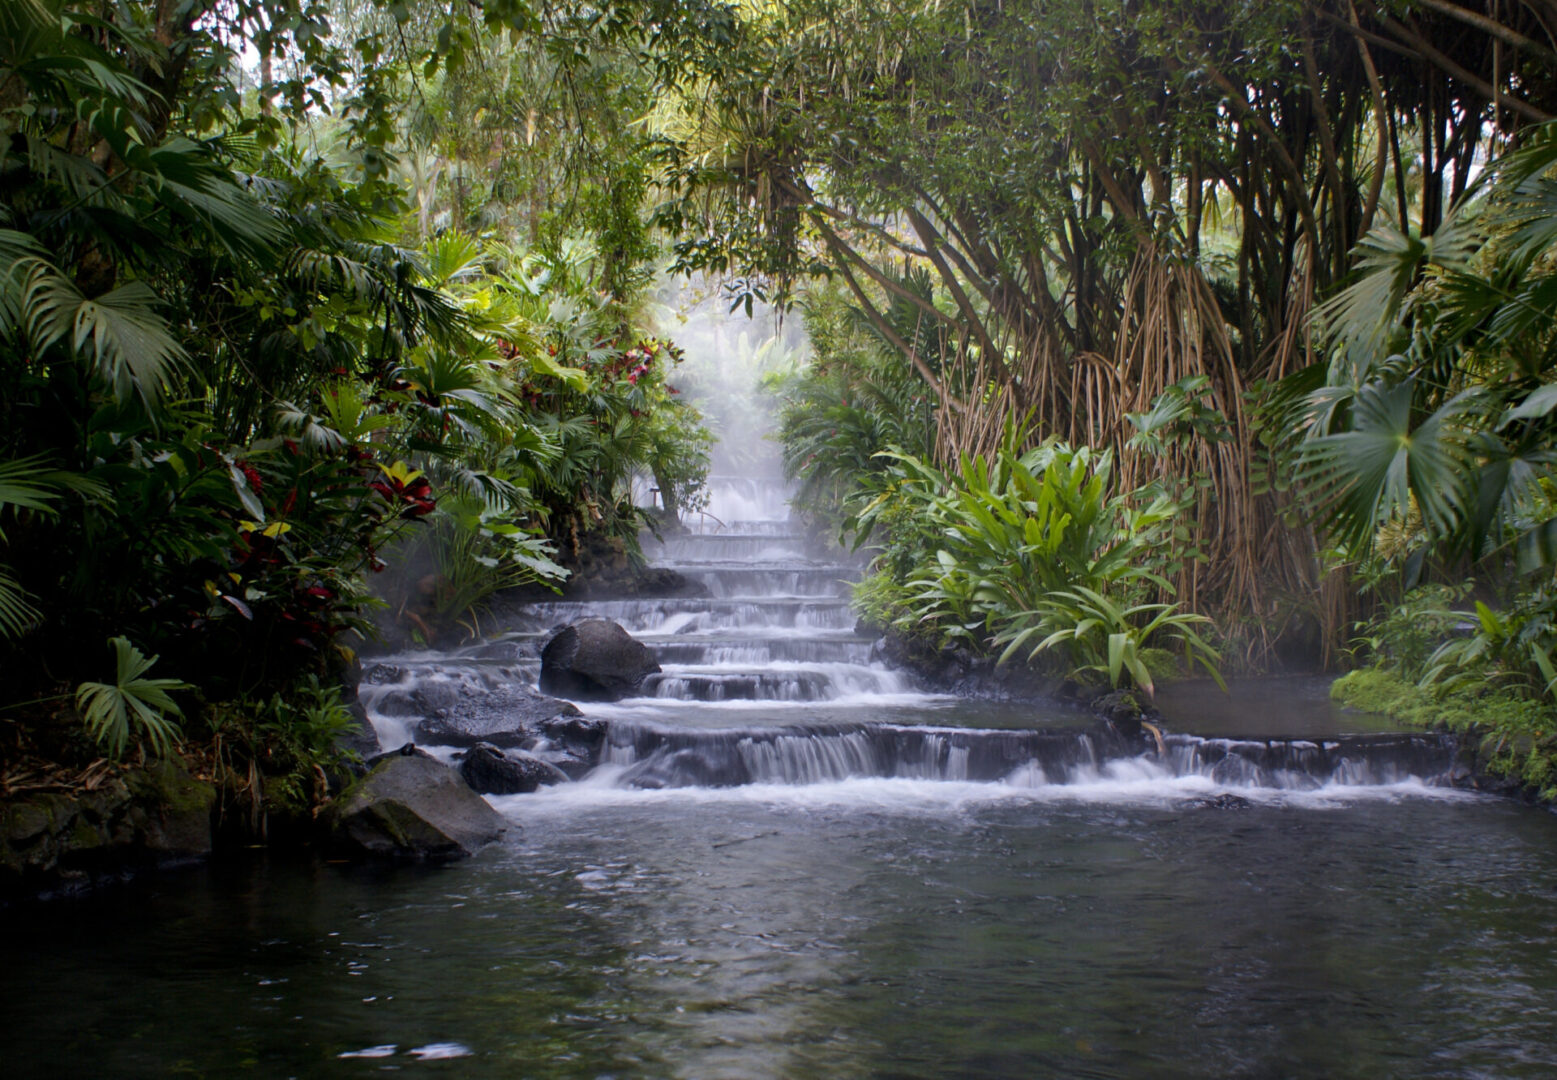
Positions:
(128, 344)
(1440, 386)
(114, 711)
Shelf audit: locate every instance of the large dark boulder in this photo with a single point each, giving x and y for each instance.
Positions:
(504, 716)
(412, 806)
(595, 660)
(493, 772)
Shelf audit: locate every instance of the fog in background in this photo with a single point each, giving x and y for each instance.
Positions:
(728, 355)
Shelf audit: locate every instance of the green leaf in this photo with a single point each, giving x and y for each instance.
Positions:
(1117, 646)
(111, 710)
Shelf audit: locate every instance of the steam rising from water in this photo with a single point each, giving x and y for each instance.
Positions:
(728, 354)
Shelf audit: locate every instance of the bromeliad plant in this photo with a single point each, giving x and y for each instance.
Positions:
(1108, 638)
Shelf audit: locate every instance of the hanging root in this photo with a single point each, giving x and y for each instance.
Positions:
(1162, 747)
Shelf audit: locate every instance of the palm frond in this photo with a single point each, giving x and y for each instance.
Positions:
(131, 700)
(17, 615)
(1367, 474)
(119, 332)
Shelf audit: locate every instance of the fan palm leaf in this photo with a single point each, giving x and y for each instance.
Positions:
(1367, 474)
(120, 333)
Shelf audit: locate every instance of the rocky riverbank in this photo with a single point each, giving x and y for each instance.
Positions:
(116, 824)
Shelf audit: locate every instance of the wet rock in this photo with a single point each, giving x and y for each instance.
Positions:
(570, 763)
(865, 628)
(688, 768)
(505, 651)
(493, 772)
(383, 675)
(1224, 801)
(1124, 712)
(571, 743)
(360, 741)
(505, 716)
(580, 734)
(662, 581)
(57, 843)
(403, 750)
(412, 806)
(181, 827)
(599, 568)
(595, 660)
(959, 670)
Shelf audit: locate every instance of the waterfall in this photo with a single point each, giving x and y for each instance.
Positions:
(765, 682)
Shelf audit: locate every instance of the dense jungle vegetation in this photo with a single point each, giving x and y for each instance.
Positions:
(1144, 335)
(296, 343)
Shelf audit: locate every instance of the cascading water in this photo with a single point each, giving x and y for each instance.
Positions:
(783, 859)
(765, 683)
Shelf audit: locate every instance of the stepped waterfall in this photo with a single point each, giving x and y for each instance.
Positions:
(765, 681)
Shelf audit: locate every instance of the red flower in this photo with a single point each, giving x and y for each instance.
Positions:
(251, 474)
(415, 499)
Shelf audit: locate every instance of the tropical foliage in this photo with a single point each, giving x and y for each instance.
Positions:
(239, 381)
(291, 293)
(1428, 445)
(1032, 553)
(1112, 199)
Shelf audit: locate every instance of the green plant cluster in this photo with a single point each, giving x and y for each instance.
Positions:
(1516, 734)
(1484, 672)
(238, 385)
(1033, 555)
(1425, 442)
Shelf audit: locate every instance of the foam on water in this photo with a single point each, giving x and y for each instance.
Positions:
(735, 714)
(1123, 783)
(640, 708)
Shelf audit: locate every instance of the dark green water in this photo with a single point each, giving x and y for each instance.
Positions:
(875, 915)
(877, 928)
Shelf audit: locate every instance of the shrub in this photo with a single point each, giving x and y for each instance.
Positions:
(1033, 551)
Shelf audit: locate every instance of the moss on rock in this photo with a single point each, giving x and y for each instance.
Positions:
(1514, 737)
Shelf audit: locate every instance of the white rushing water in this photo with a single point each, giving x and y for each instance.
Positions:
(766, 692)
(773, 630)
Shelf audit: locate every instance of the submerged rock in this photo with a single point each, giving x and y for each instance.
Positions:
(383, 675)
(956, 669)
(1225, 801)
(506, 716)
(595, 660)
(412, 806)
(571, 743)
(493, 772)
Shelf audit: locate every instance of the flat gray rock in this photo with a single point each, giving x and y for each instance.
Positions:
(505, 716)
